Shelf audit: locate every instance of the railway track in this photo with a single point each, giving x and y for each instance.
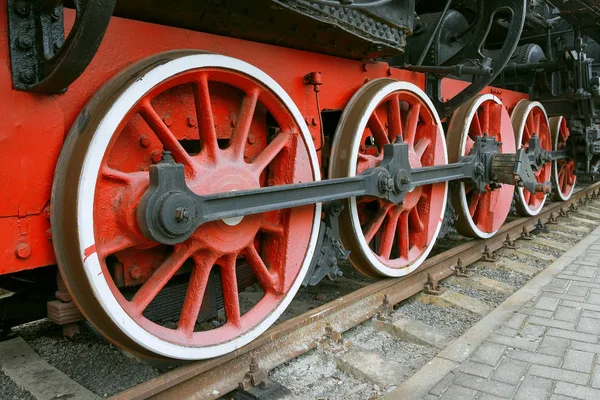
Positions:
(294, 337)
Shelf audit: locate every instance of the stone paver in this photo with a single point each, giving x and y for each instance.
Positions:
(542, 343)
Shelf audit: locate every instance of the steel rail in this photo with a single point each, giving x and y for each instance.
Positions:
(213, 378)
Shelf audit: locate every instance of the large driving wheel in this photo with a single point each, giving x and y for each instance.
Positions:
(233, 128)
(528, 119)
(387, 239)
(563, 171)
(480, 214)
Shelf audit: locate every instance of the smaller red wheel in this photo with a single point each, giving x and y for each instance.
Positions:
(529, 119)
(384, 238)
(480, 214)
(563, 171)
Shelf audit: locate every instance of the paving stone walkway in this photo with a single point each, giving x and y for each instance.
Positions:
(542, 343)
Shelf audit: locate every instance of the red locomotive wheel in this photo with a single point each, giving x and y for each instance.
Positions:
(387, 239)
(480, 215)
(563, 171)
(528, 119)
(233, 128)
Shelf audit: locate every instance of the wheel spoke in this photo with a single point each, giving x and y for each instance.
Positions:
(108, 246)
(527, 196)
(412, 123)
(243, 123)
(204, 116)
(421, 146)
(230, 291)
(378, 130)
(195, 292)
(394, 118)
(164, 134)
(415, 220)
(375, 223)
(562, 175)
(115, 175)
(404, 235)
(159, 278)
(267, 281)
(538, 118)
(485, 118)
(271, 228)
(530, 124)
(484, 214)
(470, 143)
(473, 203)
(476, 125)
(388, 235)
(266, 156)
(366, 161)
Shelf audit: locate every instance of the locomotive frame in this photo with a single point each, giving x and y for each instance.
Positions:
(210, 157)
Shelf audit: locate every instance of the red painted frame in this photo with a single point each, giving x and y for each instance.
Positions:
(34, 125)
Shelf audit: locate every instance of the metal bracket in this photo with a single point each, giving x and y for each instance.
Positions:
(325, 260)
(42, 60)
(562, 212)
(525, 235)
(460, 269)
(432, 286)
(384, 313)
(488, 255)
(257, 385)
(541, 227)
(509, 243)
(552, 219)
(573, 207)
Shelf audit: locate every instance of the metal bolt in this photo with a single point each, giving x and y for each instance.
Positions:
(24, 42)
(251, 139)
(135, 273)
(182, 214)
(49, 234)
(156, 156)
(56, 14)
(23, 250)
(191, 121)
(22, 9)
(168, 121)
(144, 141)
(27, 75)
(404, 180)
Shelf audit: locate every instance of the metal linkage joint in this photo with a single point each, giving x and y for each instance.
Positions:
(432, 286)
(488, 255)
(509, 243)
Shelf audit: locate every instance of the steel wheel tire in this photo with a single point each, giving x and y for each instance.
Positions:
(405, 234)
(480, 215)
(563, 171)
(530, 116)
